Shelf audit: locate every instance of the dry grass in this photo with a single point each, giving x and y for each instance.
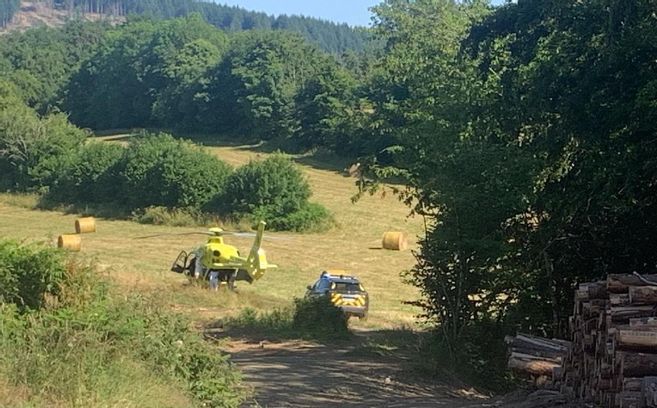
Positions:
(354, 245)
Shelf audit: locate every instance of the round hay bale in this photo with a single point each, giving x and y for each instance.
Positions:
(70, 242)
(85, 225)
(395, 240)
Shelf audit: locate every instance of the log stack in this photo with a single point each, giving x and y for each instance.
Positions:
(536, 357)
(612, 359)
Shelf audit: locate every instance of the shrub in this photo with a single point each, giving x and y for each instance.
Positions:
(320, 317)
(311, 318)
(89, 177)
(32, 150)
(170, 216)
(273, 186)
(311, 217)
(159, 170)
(29, 273)
(274, 190)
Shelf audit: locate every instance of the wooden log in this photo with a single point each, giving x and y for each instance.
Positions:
(632, 384)
(649, 391)
(534, 346)
(591, 290)
(532, 367)
(637, 364)
(621, 283)
(625, 313)
(644, 321)
(619, 299)
(643, 295)
(636, 340)
(523, 356)
(629, 399)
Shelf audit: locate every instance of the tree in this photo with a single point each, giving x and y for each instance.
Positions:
(253, 89)
(325, 107)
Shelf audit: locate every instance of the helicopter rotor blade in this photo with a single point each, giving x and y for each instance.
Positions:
(174, 234)
(253, 235)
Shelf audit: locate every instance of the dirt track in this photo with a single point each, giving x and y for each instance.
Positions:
(303, 374)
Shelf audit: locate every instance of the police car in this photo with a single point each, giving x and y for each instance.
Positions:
(346, 292)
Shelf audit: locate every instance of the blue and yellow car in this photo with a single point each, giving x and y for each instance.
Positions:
(346, 292)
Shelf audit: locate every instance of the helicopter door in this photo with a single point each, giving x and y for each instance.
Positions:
(180, 264)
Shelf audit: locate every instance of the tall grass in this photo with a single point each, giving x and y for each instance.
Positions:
(84, 347)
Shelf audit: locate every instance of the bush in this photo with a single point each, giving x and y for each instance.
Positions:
(273, 186)
(311, 217)
(33, 150)
(29, 273)
(274, 190)
(173, 217)
(159, 170)
(320, 317)
(311, 318)
(89, 177)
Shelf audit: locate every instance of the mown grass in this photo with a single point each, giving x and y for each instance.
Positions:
(353, 245)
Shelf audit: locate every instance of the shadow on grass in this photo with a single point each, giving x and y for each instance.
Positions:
(320, 159)
(314, 319)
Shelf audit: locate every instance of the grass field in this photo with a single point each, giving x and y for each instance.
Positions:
(353, 245)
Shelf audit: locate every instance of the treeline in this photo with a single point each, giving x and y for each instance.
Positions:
(332, 37)
(184, 74)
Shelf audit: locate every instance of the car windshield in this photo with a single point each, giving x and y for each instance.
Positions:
(345, 287)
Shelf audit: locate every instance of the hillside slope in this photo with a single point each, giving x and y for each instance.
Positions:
(36, 14)
(331, 37)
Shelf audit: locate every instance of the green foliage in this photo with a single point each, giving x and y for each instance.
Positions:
(33, 149)
(273, 190)
(311, 217)
(28, 274)
(274, 185)
(312, 318)
(89, 176)
(332, 37)
(129, 350)
(138, 67)
(158, 170)
(42, 60)
(317, 315)
(170, 216)
(325, 107)
(255, 85)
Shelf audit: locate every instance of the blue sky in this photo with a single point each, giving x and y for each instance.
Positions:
(352, 12)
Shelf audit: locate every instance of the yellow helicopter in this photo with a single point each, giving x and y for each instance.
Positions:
(223, 259)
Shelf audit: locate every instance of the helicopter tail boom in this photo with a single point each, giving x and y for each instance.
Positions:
(257, 260)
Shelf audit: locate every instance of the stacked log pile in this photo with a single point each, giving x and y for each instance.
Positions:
(612, 360)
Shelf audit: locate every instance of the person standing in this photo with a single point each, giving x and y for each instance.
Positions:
(214, 280)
